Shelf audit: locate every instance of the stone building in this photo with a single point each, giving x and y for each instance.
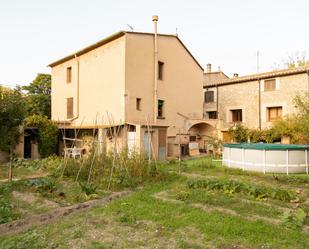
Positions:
(254, 100)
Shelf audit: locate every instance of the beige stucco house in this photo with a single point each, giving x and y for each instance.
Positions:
(147, 84)
(255, 100)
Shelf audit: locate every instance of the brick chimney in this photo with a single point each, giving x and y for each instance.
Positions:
(208, 70)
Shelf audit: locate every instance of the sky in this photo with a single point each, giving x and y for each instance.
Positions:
(226, 33)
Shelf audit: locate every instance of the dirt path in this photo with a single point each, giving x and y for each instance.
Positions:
(23, 225)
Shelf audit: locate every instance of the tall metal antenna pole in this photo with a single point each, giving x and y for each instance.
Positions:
(258, 61)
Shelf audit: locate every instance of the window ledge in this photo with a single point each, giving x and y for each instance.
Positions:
(160, 117)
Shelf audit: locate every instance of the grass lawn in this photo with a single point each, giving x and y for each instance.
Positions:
(235, 209)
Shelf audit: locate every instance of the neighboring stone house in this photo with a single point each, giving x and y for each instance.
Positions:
(146, 86)
(255, 100)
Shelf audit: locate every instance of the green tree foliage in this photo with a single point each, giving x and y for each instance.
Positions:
(48, 133)
(12, 114)
(296, 126)
(39, 95)
(239, 133)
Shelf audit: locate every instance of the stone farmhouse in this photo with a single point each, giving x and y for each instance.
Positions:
(254, 100)
(146, 87)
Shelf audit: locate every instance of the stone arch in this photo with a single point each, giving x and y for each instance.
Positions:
(202, 133)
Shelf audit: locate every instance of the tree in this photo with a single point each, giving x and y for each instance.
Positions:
(12, 114)
(39, 95)
(293, 60)
(296, 126)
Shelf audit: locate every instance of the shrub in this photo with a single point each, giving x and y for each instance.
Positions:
(48, 133)
(296, 126)
(239, 133)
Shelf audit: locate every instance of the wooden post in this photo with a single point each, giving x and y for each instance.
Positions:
(287, 162)
(306, 156)
(10, 176)
(229, 164)
(179, 158)
(243, 159)
(264, 161)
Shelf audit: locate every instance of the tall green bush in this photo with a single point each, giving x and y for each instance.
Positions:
(48, 133)
(296, 126)
(239, 133)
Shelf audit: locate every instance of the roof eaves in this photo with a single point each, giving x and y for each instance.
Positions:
(254, 77)
(88, 48)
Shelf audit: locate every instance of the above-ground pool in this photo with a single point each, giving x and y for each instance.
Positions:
(272, 158)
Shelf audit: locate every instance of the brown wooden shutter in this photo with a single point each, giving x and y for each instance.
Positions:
(162, 138)
(209, 96)
(274, 113)
(270, 85)
(69, 107)
(69, 74)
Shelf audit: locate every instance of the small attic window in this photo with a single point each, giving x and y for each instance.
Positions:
(160, 70)
(69, 74)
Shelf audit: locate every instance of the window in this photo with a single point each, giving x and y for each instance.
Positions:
(236, 115)
(209, 96)
(192, 138)
(160, 108)
(212, 115)
(138, 104)
(160, 70)
(69, 74)
(270, 85)
(274, 113)
(69, 108)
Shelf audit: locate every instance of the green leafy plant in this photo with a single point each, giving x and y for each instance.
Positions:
(230, 186)
(7, 212)
(88, 189)
(42, 184)
(294, 218)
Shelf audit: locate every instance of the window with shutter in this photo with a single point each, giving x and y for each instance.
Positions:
(160, 108)
(69, 74)
(236, 115)
(270, 85)
(274, 113)
(209, 96)
(160, 70)
(69, 108)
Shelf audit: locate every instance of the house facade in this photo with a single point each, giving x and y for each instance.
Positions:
(145, 88)
(254, 100)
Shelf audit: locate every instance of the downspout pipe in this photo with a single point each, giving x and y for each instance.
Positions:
(155, 87)
(259, 95)
(308, 81)
(77, 91)
(217, 100)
